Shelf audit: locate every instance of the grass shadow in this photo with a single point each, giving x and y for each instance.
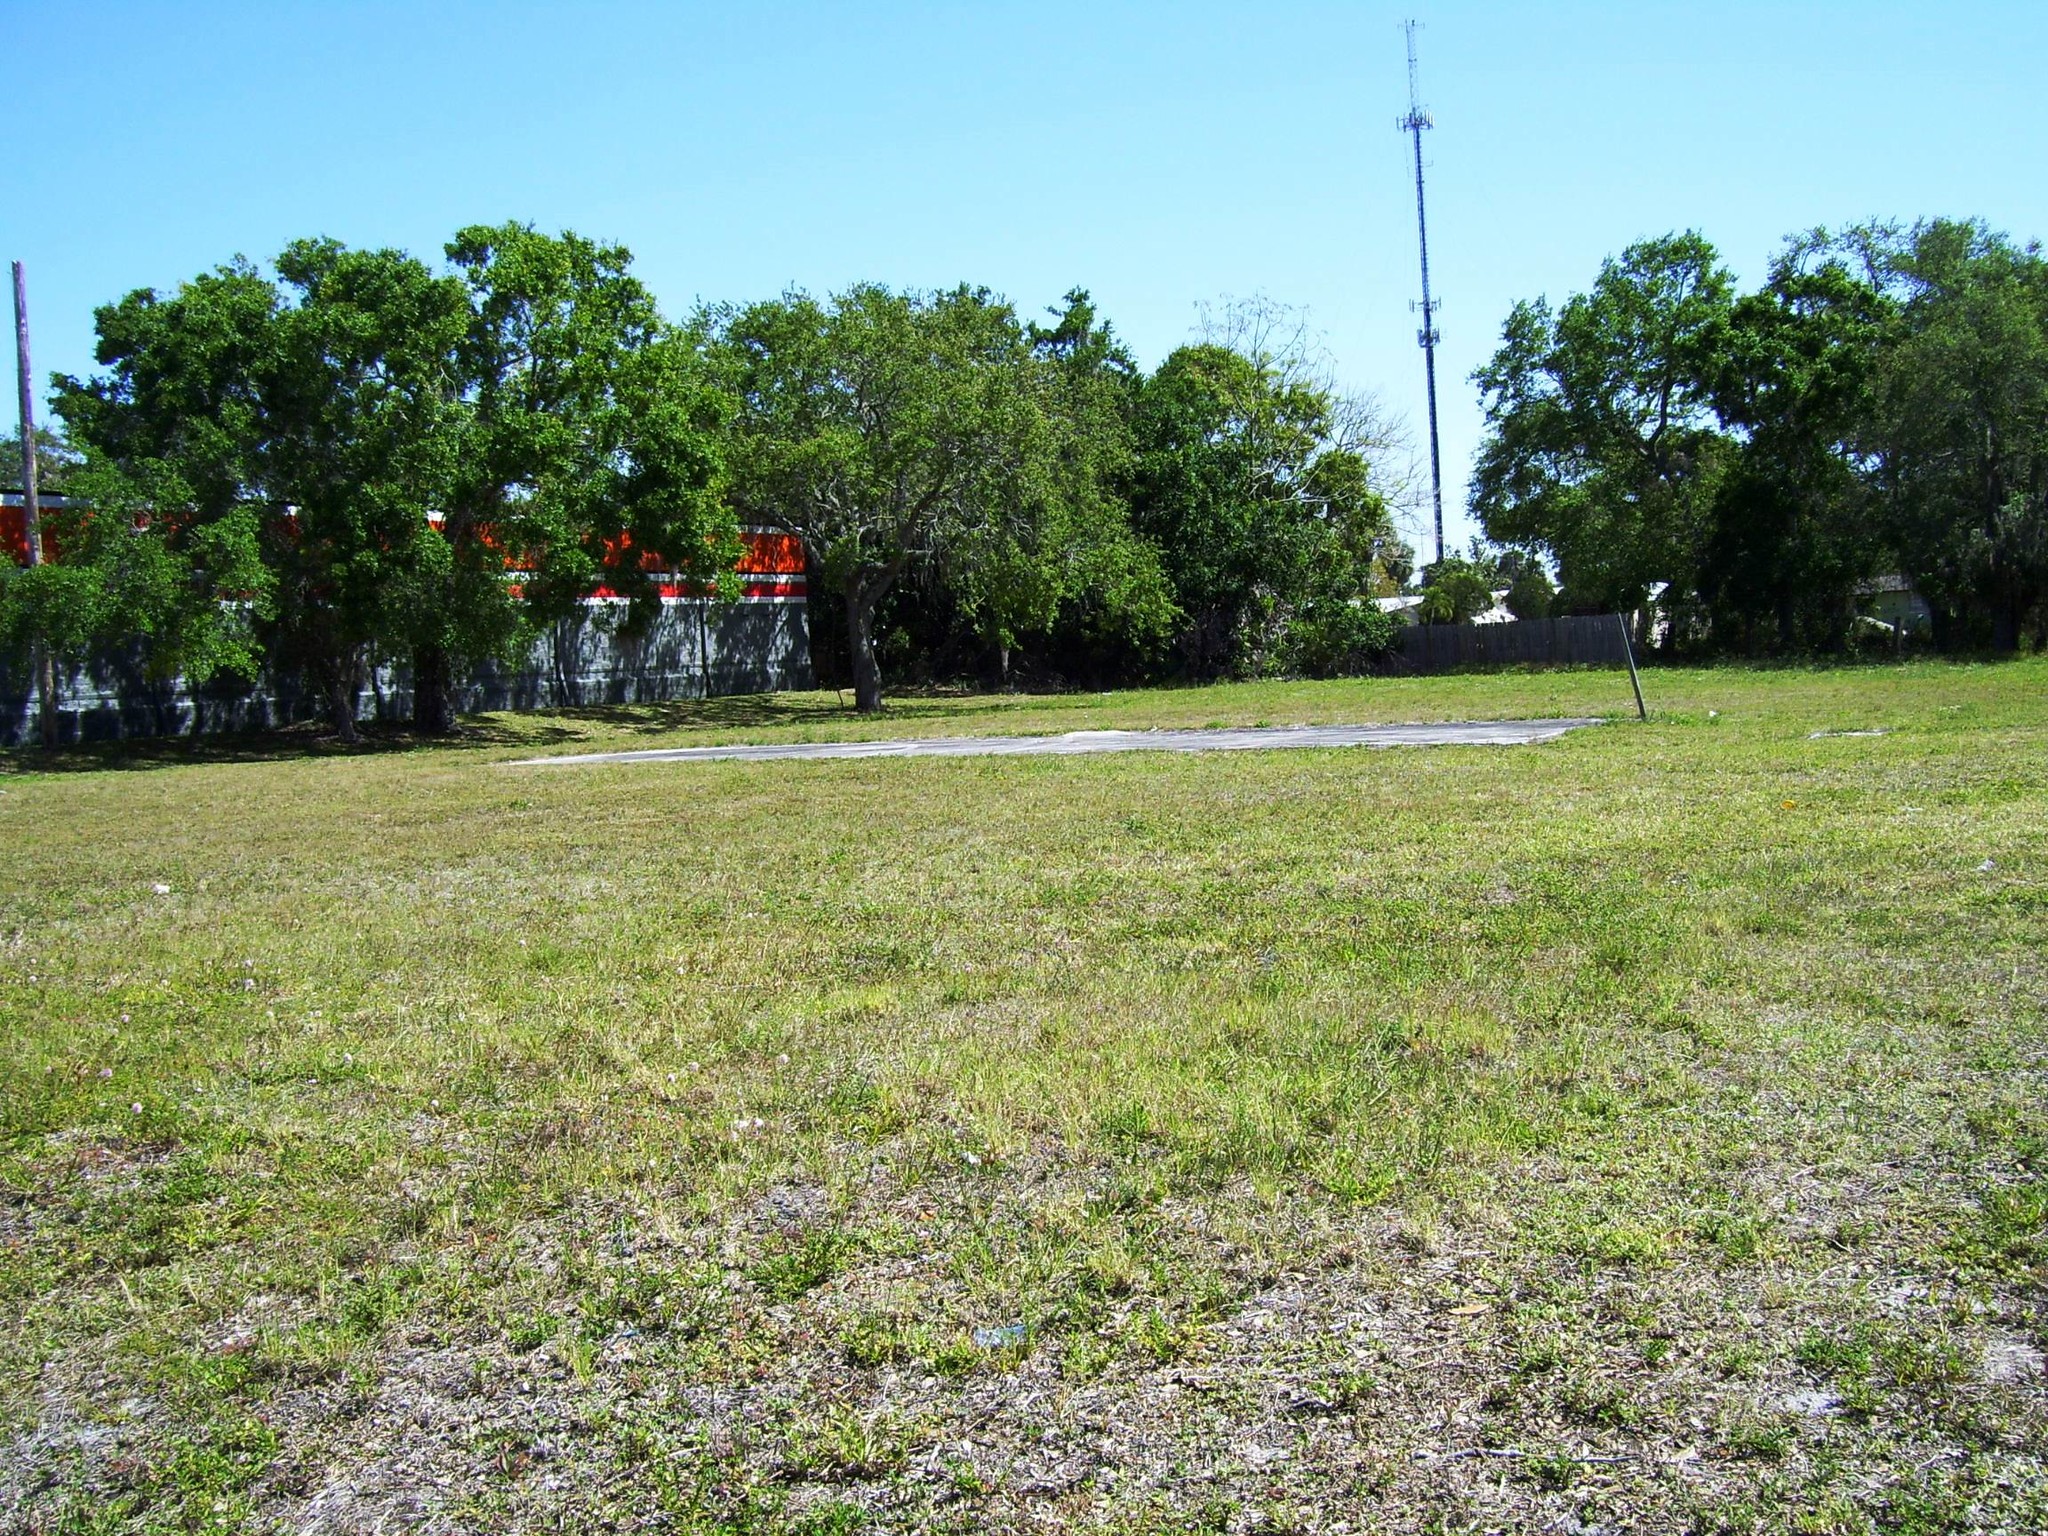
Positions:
(775, 710)
(311, 739)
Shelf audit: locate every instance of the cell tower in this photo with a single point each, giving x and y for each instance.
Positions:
(1427, 337)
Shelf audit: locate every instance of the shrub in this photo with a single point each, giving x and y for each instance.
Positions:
(1457, 590)
(1332, 637)
(1531, 596)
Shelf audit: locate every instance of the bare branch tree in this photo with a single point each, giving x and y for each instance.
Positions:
(1284, 339)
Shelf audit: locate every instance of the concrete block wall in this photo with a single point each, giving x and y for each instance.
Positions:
(695, 648)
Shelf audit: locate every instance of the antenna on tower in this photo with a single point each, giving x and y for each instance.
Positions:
(1427, 337)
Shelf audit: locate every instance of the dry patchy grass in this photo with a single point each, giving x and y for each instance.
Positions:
(1643, 1130)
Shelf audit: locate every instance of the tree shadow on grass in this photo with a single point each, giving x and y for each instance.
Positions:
(539, 729)
(282, 744)
(758, 711)
(738, 712)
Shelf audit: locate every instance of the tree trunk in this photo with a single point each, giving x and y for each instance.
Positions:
(341, 699)
(46, 695)
(860, 645)
(431, 715)
(2005, 627)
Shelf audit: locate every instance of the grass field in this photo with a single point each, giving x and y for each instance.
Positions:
(1644, 1131)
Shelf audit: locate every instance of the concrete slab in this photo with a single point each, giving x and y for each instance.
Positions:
(1457, 733)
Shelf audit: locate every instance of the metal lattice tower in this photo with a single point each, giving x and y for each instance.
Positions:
(1412, 125)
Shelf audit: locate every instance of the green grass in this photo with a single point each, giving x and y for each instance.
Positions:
(1345, 1129)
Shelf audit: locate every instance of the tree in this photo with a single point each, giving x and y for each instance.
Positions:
(133, 575)
(1083, 561)
(432, 466)
(1072, 591)
(1602, 448)
(293, 434)
(357, 410)
(1530, 593)
(888, 430)
(1959, 428)
(1252, 479)
(56, 461)
(1338, 637)
(163, 553)
(579, 431)
(1793, 525)
(181, 404)
(656, 501)
(1455, 591)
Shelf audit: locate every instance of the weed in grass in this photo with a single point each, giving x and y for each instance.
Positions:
(367, 1307)
(1860, 1398)
(1738, 1362)
(1848, 1355)
(1553, 1473)
(873, 1339)
(1635, 1245)
(1923, 1364)
(1112, 1269)
(804, 1265)
(1083, 1357)
(848, 1443)
(2010, 1233)
(1931, 1506)
(960, 1355)
(1157, 1337)
(965, 1479)
(528, 1333)
(1745, 1438)
(579, 1353)
(835, 1517)
(1737, 1239)
(1351, 1390)
(1850, 1234)
(1590, 1402)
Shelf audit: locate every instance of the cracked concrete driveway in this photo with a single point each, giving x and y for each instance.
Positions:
(1456, 733)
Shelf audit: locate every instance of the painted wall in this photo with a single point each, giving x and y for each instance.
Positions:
(757, 643)
(695, 648)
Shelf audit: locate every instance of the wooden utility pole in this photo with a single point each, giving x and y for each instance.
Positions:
(31, 512)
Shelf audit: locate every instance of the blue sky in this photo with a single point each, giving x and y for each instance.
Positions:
(1160, 155)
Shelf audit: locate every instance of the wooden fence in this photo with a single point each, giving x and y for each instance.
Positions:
(1594, 640)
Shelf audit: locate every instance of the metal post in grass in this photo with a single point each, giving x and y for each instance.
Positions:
(1635, 681)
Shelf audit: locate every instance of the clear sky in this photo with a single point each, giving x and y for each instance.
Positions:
(1157, 154)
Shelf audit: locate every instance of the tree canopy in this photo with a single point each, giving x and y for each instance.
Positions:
(355, 451)
(1259, 496)
(1879, 404)
(897, 432)
(353, 459)
(1957, 432)
(1601, 444)
(356, 457)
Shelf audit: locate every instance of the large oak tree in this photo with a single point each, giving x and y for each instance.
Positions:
(1602, 448)
(431, 466)
(887, 430)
